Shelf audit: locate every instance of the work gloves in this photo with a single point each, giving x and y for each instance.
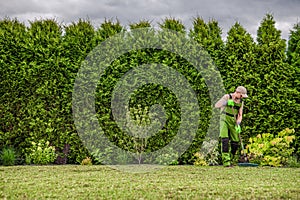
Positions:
(230, 102)
(238, 128)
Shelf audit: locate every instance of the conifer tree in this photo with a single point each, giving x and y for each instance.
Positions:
(239, 68)
(240, 58)
(173, 24)
(273, 96)
(13, 53)
(209, 35)
(293, 53)
(293, 59)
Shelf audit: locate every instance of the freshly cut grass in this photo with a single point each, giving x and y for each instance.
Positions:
(173, 182)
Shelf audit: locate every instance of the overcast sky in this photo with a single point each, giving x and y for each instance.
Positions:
(249, 13)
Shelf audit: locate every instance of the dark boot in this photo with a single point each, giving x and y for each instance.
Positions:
(234, 148)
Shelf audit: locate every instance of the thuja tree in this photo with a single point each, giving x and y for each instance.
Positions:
(240, 58)
(107, 29)
(50, 76)
(140, 24)
(293, 58)
(39, 64)
(273, 104)
(209, 35)
(173, 24)
(43, 78)
(79, 39)
(13, 87)
(239, 66)
(151, 94)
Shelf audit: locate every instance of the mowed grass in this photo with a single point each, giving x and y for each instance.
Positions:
(172, 182)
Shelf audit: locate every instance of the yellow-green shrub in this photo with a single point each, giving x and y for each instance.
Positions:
(41, 153)
(87, 161)
(200, 160)
(271, 150)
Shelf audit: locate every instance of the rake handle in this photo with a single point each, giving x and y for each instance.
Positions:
(240, 137)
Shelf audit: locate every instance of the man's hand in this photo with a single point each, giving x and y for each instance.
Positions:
(230, 102)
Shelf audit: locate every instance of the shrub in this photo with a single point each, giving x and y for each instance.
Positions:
(62, 155)
(200, 160)
(8, 156)
(293, 162)
(271, 150)
(41, 153)
(167, 158)
(87, 161)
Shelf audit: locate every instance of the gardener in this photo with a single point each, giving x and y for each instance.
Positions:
(231, 106)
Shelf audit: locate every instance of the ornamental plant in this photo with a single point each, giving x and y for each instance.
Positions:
(8, 156)
(272, 150)
(200, 160)
(87, 161)
(41, 153)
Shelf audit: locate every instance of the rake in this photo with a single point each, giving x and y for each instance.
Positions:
(246, 162)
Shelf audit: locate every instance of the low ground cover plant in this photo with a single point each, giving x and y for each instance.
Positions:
(272, 149)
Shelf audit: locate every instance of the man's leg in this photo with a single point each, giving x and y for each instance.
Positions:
(225, 152)
(224, 143)
(234, 147)
(234, 141)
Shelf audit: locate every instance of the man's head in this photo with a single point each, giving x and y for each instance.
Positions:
(242, 91)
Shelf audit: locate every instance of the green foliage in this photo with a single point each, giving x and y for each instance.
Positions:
(293, 58)
(39, 64)
(271, 150)
(87, 161)
(212, 158)
(200, 160)
(167, 159)
(39, 68)
(294, 46)
(173, 24)
(40, 153)
(108, 29)
(209, 35)
(293, 162)
(8, 156)
(141, 24)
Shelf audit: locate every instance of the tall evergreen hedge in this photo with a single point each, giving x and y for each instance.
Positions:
(39, 64)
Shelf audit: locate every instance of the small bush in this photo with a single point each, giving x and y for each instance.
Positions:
(293, 162)
(87, 161)
(271, 150)
(212, 158)
(62, 155)
(169, 158)
(41, 153)
(8, 156)
(200, 160)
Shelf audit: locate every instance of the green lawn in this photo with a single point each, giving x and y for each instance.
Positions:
(173, 182)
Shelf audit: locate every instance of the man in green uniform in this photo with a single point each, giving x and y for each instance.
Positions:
(231, 106)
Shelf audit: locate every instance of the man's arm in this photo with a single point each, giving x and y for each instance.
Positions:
(240, 114)
(222, 102)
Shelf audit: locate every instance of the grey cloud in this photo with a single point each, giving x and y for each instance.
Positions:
(248, 13)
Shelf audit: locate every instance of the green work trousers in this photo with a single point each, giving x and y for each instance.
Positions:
(229, 138)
